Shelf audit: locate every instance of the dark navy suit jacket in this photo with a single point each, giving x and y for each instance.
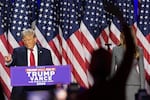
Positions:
(20, 59)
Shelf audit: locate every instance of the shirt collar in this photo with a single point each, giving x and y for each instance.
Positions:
(35, 48)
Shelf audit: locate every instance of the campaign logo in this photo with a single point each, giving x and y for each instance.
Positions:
(41, 75)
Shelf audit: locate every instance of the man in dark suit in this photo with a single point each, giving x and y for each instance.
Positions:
(21, 57)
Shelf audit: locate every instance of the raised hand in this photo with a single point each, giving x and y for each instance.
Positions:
(8, 58)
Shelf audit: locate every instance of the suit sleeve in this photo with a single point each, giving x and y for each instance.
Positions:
(45, 58)
(141, 69)
(12, 62)
(50, 58)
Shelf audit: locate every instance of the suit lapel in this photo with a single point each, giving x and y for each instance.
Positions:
(22, 61)
(25, 57)
(39, 55)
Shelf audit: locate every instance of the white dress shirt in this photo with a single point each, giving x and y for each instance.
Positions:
(35, 52)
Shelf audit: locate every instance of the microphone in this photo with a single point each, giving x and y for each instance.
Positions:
(108, 45)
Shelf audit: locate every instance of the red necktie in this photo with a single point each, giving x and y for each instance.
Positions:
(32, 60)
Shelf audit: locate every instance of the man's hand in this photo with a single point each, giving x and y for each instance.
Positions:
(8, 58)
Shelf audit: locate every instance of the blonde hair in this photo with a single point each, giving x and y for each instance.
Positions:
(28, 32)
(123, 42)
(122, 39)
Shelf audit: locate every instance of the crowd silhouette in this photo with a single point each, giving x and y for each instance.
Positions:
(1, 93)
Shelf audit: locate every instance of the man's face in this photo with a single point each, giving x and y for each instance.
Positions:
(29, 41)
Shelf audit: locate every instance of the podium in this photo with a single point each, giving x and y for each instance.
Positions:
(40, 75)
(38, 82)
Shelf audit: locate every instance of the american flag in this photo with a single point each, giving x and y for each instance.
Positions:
(22, 17)
(72, 41)
(4, 24)
(127, 9)
(94, 30)
(47, 28)
(143, 31)
(17, 20)
(71, 29)
(58, 30)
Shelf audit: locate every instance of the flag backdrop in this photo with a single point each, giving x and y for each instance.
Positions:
(71, 29)
(4, 24)
(143, 33)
